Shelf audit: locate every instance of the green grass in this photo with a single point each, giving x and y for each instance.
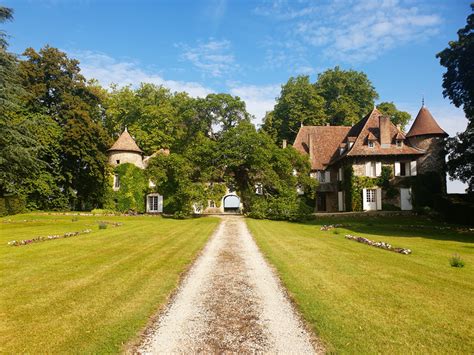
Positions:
(91, 293)
(361, 299)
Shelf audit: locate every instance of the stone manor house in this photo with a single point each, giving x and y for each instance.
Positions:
(365, 148)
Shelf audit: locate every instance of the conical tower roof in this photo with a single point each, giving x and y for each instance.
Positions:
(125, 143)
(425, 124)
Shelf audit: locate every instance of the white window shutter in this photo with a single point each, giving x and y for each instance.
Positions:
(367, 169)
(364, 199)
(413, 168)
(340, 200)
(397, 168)
(379, 199)
(378, 168)
(340, 174)
(160, 203)
(327, 176)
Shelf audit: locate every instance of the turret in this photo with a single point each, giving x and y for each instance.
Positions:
(125, 150)
(427, 135)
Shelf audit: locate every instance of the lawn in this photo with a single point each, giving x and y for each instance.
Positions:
(361, 299)
(91, 293)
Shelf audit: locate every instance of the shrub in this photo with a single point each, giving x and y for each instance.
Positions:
(102, 225)
(456, 261)
(12, 205)
(102, 211)
(336, 231)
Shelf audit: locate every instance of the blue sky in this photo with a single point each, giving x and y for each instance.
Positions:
(249, 48)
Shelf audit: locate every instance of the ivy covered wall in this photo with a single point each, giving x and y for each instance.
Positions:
(353, 185)
(130, 197)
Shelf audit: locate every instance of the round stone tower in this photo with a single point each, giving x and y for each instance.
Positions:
(125, 150)
(427, 135)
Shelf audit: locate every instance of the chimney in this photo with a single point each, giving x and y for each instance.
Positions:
(283, 145)
(384, 124)
(310, 146)
(399, 127)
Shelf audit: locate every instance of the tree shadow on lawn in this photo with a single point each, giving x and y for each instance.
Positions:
(399, 226)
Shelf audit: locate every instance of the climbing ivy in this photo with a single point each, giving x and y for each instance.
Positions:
(215, 192)
(353, 186)
(130, 197)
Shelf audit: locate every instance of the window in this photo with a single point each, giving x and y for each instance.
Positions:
(118, 161)
(371, 144)
(153, 203)
(403, 169)
(212, 204)
(322, 176)
(259, 189)
(370, 196)
(116, 182)
(399, 143)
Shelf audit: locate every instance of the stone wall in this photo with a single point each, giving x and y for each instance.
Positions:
(434, 159)
(126, 157)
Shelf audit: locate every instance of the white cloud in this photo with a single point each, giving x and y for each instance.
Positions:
(355, 31)
(212, 58)
(259, 99)
(108, 70)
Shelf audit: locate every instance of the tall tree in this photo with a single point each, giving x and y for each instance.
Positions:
(458, 84)
(349, 95)
(220, 112)
(56, 89)
(396, 116)
(299, 103)
(18, 148)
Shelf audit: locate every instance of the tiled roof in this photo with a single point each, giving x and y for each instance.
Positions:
(125, 143)
(425, 124)
(370, 125)
(325, 141)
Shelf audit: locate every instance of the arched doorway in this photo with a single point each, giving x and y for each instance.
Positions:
(231, 203)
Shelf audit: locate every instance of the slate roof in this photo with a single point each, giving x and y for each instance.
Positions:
(125, 143)
(425, 124)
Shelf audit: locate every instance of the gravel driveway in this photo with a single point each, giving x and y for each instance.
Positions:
(230, 301)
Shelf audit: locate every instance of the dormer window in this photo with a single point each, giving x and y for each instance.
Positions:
(371, 144)
(399, 143)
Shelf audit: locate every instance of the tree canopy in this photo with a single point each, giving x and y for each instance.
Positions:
(299, 103)
(397, 117)
(338, 97)
(458, 84)
(349, 95)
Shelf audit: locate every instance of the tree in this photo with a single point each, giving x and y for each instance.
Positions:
(458, 85)
(151, 112)
(299, 103)
(396, 116)
(221, 112)
(18, 148)
(56, 90)
(349, 95)
(249, 157)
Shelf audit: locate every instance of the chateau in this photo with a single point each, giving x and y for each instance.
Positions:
(369, 166)
(363, 151)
